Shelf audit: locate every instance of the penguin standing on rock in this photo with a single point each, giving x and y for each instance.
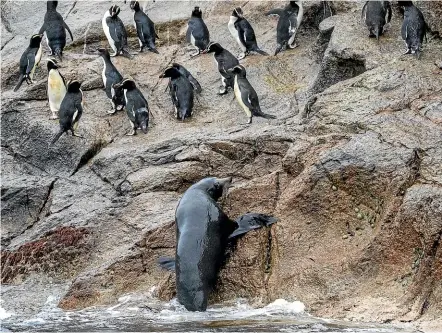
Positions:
(115, 32)
(29, 61)
(181, 92)
(414, 28)
(243, 33)
(136, 106)
(54, 26)
(145, 28)
(110, 76)
(71, 109)
(288, 24)
(225, 61)
(56, 88)
(376, 14)
(197, 32)
(246, 95)
(196, 85)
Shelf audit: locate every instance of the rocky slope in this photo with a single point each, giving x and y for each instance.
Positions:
(352, 167)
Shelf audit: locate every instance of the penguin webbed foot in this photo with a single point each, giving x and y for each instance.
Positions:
(112, 111)
(407, 52)
(133, 133)
(53, 117)
(76, 135)
(222, 91)
(242, 55)
(196, 54)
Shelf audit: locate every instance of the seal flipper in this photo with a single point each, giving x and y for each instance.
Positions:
(252, 221)
(167, 263)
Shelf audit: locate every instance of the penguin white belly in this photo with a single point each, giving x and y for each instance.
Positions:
(37, 61)
(56, 90)
(239, 98)
(103, 74)
(107, 32)
(235, 33)
(192, 39)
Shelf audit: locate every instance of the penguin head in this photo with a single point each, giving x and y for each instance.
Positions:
(35, 41)
(135, 5)
(213, 47)
(103, 52)
(215, 187)
(114, 11)
(197, 12)
(238, 70)
(127, 84)
(295, 4)
(74, 86)
(51, 5)
(52, 64)
(237, 12)
(171, 72)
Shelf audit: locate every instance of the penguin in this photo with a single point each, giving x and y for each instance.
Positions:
(136, 106)
(197, 32)
(110, 76)
(29, 60)
(56, 88)
(225, 61)
(181, 92)
(196, 85)
(414, 28)
(54, 26)
(246, 95)
(115, 32)
(288, 24)
(243, 33)
(71, 109)
(376, 14)
(145, 28)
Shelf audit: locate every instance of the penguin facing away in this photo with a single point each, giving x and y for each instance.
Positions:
(145, 28)
(196, 85)
(181, 92)
(56, 88)
(414, 28)
(71, 109)
(225, 61)
(29, 60)
(289, 21)
(110, 76)
(243, 33)
(376, 14)
(54, 26)
(137, 108)
(197, 33)
(246, 96)
(115, 32)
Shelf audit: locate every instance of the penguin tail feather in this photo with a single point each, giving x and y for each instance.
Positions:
(20, 82)
(56, 137)
(259, 113)
(154, 50)
(251, 221)
(261, 52)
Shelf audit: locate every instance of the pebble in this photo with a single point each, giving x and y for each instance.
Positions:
(360, 216)
(345, 237)
(356, 209)
(334, 188)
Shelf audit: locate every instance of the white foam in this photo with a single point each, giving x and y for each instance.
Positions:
(4, 314)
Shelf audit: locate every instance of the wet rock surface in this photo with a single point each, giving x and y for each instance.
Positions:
(351, 167)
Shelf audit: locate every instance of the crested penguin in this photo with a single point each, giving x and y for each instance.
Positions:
(290, 18)
(110, 76)
(181, 92)
(196, 85)
(414, 28)
(137, 108)
(246, 96)
(71, 109)
(197, 32)
(243, 33)
(225, 61)
(115, 32)
(29, 61)
(54, 26)
(56, 88)
(376, 14)
(145, 28)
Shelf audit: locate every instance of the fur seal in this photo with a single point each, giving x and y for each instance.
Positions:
(203, 231)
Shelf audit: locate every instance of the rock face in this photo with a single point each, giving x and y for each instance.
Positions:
(351, 167)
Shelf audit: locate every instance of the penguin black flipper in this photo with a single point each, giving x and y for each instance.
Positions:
(387, 7)
(364, 12)
(31, 63)
(251, 221)
(276, 11)
(140, 34)
(69, 30)
(196, 85)
(42, 29)
(113, 32)
(167, 263)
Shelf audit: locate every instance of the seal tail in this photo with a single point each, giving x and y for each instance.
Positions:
(56, 137)
(251, 221)
(167, 263)
(20, 82)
